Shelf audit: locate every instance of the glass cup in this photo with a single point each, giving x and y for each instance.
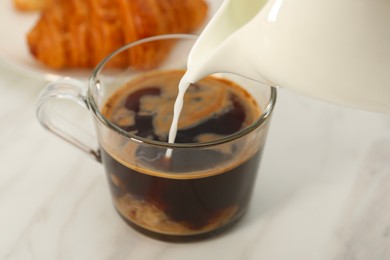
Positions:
(202, 188)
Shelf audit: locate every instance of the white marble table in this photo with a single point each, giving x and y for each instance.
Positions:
(323, 190)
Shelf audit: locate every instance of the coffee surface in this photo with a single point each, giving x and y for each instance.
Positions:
(213, 108)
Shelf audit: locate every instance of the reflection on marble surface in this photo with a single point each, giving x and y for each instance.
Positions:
(323, 190)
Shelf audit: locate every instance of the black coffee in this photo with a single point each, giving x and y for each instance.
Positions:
(189, 193)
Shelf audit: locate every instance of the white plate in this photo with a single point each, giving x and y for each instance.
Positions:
(14, 52)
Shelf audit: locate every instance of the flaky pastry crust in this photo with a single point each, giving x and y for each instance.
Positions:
(80, 33)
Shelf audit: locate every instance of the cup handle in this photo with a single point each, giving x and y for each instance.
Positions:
(71, 90)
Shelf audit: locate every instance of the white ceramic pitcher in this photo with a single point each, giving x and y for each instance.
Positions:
(333, 50)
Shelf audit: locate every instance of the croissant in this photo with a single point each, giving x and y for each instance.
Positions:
(30, 5)
(80, 33)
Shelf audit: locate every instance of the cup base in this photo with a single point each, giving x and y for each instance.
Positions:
(181, 238)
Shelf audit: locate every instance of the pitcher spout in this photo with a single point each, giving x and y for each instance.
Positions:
(212, 53)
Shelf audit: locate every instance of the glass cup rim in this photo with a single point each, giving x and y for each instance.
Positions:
(94, 78)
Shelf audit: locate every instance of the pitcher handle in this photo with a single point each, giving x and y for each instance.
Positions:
(71, 90)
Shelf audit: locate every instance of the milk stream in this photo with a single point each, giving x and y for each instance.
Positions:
(334, 50)
(184, 84)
